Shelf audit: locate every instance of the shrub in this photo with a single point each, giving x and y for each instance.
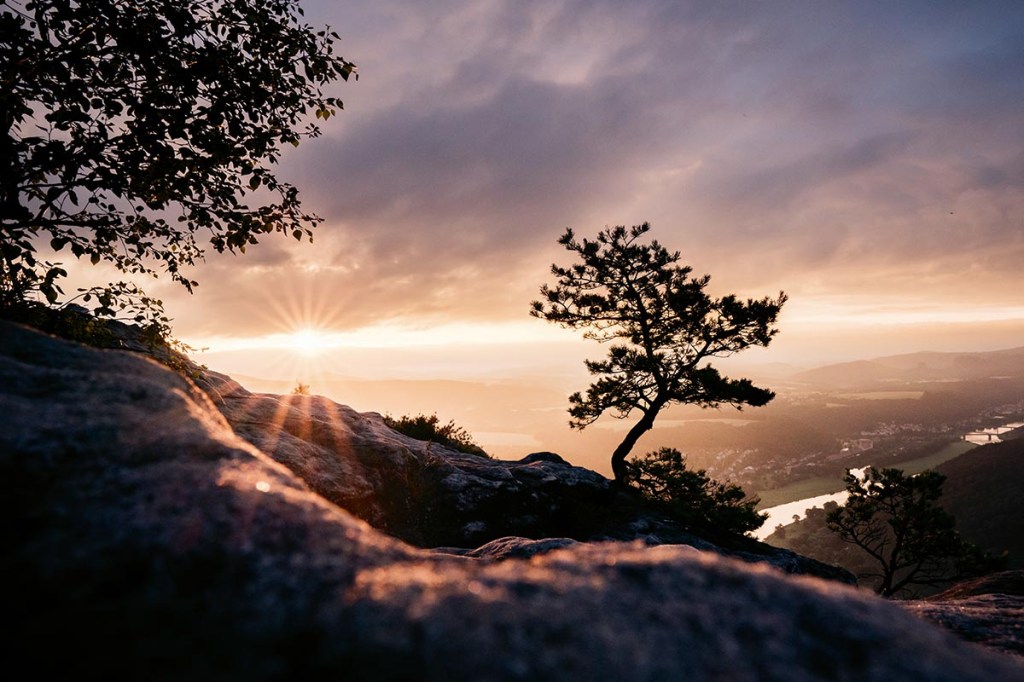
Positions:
(422, 427)
(692, 497)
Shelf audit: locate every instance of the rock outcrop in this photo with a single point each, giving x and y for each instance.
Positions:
(431, 496)
(421, 492)
(987, 610)
(142, 538)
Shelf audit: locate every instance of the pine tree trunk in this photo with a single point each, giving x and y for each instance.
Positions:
(621, 452)
(886, 589)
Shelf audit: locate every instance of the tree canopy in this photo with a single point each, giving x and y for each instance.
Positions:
(666, 327)
(130, 129)
(897, 521)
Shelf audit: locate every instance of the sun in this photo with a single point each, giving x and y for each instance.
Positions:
(308, 341)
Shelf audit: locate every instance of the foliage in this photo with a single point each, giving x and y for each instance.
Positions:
(666, 325)
(300, 389)
(422, 427)
(897, 521)
(131, 128)
(693, 497)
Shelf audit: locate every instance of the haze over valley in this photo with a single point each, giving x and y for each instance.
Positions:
(885, 410)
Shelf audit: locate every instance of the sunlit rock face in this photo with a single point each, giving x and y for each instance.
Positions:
(431, 496)
(143, 539)
(421, 492)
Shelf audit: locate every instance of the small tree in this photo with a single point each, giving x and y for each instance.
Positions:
(300, 389)
(666, 325)
(693, 497)
(130, 127)
(897, 521)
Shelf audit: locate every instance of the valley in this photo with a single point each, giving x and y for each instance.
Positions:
(884, 412)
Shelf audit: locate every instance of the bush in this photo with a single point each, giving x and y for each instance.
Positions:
(422, 427)
(692, 497)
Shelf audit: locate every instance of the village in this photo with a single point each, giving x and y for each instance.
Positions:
(885, 444)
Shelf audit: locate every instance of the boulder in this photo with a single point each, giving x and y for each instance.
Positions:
(143, 538)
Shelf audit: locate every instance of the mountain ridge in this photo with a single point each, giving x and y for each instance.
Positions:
(917, 367)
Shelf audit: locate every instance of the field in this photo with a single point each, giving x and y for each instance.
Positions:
(822, 485)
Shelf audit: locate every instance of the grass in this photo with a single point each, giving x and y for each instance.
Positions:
(916, 466)
(809, 487)
(822, 485)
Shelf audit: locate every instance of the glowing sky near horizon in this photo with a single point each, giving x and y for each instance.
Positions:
(867, 158)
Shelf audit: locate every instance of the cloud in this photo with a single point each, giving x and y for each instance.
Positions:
(780, 145)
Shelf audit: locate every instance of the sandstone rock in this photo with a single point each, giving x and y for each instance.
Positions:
(431, 496)
(143, 539)
(513, 548)
(987, 610)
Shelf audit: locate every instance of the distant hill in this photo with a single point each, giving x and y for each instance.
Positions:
(984, 490)
(916, 368)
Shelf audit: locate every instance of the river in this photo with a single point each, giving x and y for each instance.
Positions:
(783, 513)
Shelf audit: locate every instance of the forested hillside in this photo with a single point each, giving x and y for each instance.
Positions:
(983, 491)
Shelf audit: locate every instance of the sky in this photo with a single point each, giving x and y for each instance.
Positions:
(865, 157)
